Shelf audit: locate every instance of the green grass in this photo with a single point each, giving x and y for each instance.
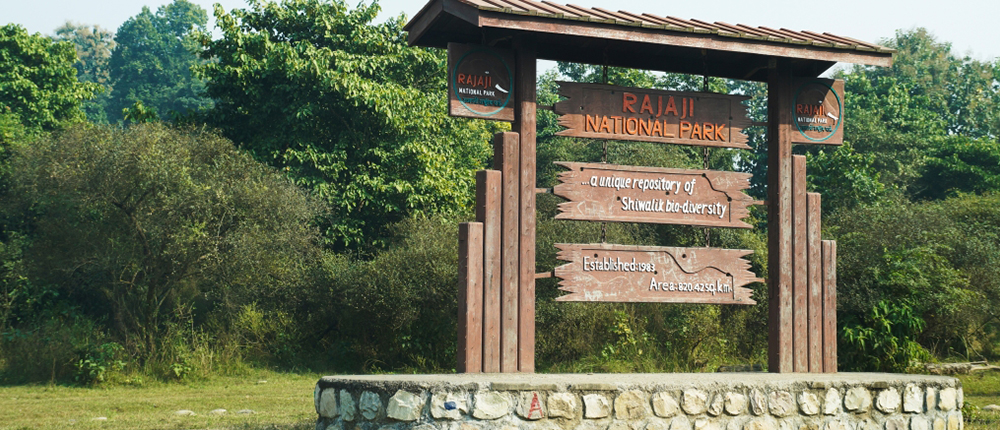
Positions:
(284, 401)
(981, 389)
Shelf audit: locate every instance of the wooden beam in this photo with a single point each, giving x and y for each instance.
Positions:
(470, 297)
(829, 306)
(800, 263)
(815, 283)
(597, 31)
(779, 217)
(524, 125)
(423, 21)
(488, 212)
(507, 156)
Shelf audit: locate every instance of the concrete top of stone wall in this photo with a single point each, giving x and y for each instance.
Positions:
(631, 381)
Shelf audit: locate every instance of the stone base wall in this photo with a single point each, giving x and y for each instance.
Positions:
(717, 401)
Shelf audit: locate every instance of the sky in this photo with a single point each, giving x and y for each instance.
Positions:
(966, 24)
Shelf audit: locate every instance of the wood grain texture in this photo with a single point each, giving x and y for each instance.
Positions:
(610, 112)
(488, 212)
(598, 192)
(779, 220)
(508, 164)
(814, 203)
(626, 273)
(525, 126)
(470, 297)
(800, 263)
(829, 306)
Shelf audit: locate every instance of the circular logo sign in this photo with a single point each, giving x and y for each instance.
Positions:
(482, 82)
(818, 111)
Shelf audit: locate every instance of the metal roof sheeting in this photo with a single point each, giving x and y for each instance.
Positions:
(572, 12)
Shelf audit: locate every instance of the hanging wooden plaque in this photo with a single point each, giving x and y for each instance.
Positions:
(623, 273)
(818, 111)
(620, 113)
(606, 192)
(480, 82)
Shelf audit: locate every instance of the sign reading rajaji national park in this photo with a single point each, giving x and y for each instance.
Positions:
(605, 192)
(622, 273)
(619, 113)
(480, 82)
(819, 111)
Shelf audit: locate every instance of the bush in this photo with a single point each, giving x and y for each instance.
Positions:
(156, 233)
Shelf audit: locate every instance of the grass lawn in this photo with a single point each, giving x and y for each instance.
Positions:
(280, 401)
(981, 389)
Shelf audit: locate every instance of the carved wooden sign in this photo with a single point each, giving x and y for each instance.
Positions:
(607, 192)
(480, 82)
(620, 113)
(819, 111)
(622, 273)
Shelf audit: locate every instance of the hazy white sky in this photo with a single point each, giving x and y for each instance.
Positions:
(968, 24)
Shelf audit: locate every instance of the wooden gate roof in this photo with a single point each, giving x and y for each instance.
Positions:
(644, 41)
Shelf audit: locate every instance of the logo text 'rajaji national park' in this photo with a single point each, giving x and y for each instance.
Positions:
(819, 111)
(480, 82)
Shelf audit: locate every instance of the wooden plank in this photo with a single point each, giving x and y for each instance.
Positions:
(607, 192)
(818, 111)
(470, 297)
(597, 32)
(610, 112)
(525, 127)
(480, 82)
(814, 222)
(488, 212)
(800, 263)
(625, 273)
(779, 220)
(829, 306)
(507, 160)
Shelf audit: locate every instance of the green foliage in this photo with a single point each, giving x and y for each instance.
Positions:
(346, 108)
(136, 228)
(845, 177)
(882, 339)
(409, 293)
(937, 257)
(93, 51)
(152, 59)
(98, 362)
(958, 164)
(38, 85)
(139, 113)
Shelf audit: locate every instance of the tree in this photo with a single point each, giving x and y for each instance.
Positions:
(93, 52)
(38, 85)
(152, 61)
(347, 109)
(133, 226)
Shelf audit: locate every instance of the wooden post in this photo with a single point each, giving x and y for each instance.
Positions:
(815, 284)
(488, 212)
(507, 155)
(470, 297)
(524, 125)
(800, 262)
(779, 231)
(829, 306)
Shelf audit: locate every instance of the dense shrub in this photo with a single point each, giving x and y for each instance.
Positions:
(147, 230)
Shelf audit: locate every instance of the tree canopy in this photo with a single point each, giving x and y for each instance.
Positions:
(152, 59)
(346, 108)
(38, 85)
